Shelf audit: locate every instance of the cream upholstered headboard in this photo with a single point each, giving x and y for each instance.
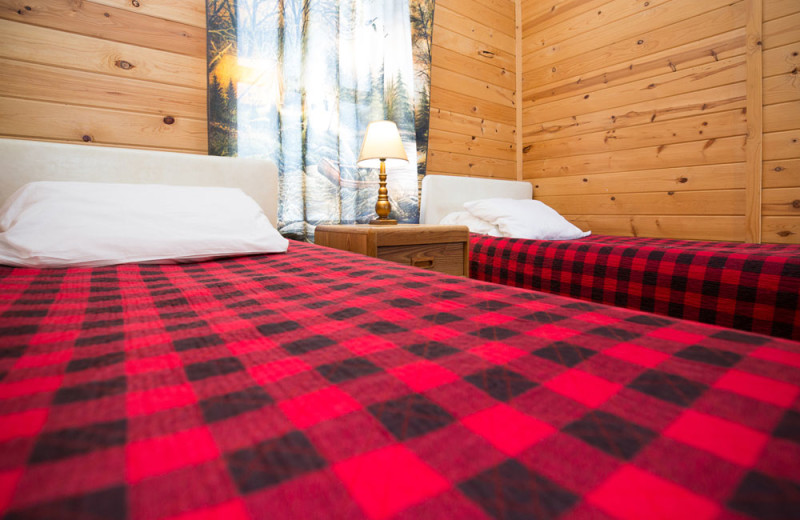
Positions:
(24, 161)
(445, 194)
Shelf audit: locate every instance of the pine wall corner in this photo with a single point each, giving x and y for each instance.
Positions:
(667, 118)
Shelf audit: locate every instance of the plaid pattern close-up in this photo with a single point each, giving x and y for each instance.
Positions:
(323, 384)
(753, 287)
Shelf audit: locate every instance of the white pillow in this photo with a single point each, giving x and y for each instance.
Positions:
(475, 225)
(58, 224)
(524, 218)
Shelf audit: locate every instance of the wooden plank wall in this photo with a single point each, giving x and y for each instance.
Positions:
(635, 123)
(473, 87)
(780, 197)
(108, 72)
(629, 116)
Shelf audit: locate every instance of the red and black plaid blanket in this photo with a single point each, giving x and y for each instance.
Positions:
(754, 287)
(321, 384)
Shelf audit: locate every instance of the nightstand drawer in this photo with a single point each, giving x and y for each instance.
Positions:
(439, 248)
(445, 258)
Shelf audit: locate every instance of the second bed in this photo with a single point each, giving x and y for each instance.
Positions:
(753, 287)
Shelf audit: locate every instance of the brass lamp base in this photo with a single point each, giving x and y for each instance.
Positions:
(383, 222)
(383, 207)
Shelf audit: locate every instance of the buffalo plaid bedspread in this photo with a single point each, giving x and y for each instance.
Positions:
(321, 384)
(742, 286)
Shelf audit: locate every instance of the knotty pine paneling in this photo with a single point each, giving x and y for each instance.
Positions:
(104, 72)
(96, 20)
(61, 122)
(627, 116)
(716, 227)
(780, 198)
(593, 52)
(474, 123)
(634, 116)
(704, 177)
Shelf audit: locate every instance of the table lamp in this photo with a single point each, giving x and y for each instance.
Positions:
(381, 141)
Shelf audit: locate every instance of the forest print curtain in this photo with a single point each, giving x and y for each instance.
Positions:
(297, 81)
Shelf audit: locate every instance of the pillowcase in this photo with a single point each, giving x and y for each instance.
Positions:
(475, 225)
(59, 224)
(524, 218)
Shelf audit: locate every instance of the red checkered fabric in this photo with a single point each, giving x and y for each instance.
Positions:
(322, 384)
(753, 287)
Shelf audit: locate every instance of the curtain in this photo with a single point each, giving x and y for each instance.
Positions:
(297, 82)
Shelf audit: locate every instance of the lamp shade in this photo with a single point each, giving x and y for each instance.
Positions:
(381, 141)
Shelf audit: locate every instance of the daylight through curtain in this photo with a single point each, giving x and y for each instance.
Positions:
(297, 81)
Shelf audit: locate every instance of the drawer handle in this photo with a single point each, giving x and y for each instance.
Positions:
(425, 264)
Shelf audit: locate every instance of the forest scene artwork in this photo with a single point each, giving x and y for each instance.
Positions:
(297, 82)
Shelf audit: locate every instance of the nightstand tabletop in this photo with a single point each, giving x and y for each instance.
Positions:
(401, 234)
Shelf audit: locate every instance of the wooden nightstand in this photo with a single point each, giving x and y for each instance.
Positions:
(439, 248)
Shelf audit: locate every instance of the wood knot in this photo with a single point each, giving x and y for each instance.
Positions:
(135, 3)
(785, 233)
(640, 42)
(670, 193)
(585, 180)
(796, 204)
(168, 120)
(613, 198)
(486, 54)
(87, 138)
(778, 169)
(683, 180)
(124, 65)
(527, 149)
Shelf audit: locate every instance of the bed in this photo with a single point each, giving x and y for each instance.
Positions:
(753, 287)
(318, 383)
